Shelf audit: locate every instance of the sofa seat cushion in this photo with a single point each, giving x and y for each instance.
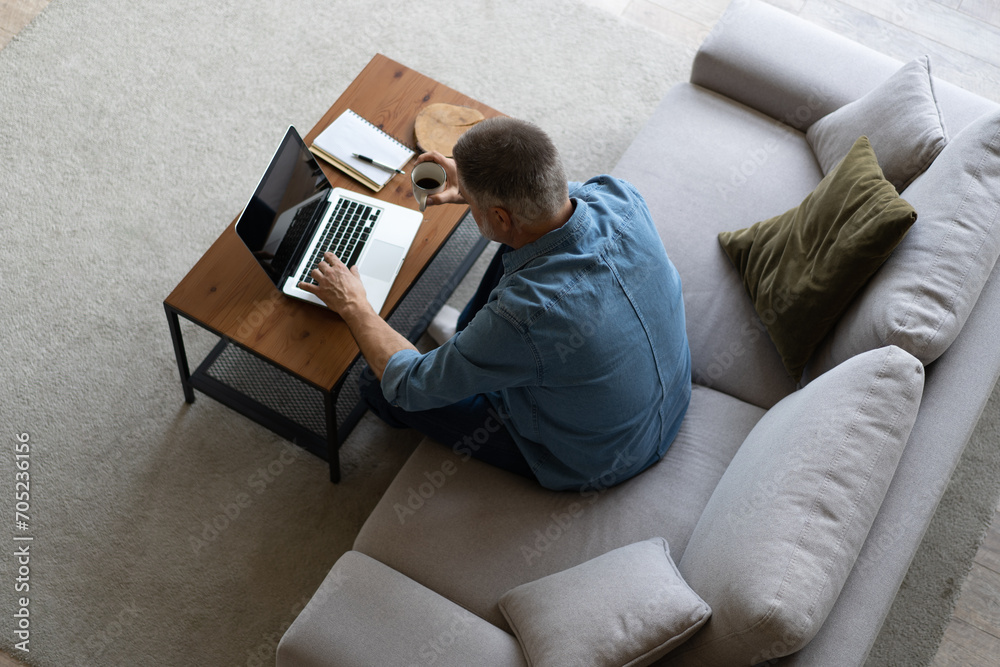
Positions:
(786, 523)
(471, 532)
(705, 164)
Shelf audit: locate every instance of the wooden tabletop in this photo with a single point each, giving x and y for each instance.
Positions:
(227, 291)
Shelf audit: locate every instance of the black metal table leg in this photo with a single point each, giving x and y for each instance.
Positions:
(332, 441)
(182, 364)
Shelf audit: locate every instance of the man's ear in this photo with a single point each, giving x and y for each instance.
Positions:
(502, 220)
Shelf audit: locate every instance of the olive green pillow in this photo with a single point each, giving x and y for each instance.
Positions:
(803, 267)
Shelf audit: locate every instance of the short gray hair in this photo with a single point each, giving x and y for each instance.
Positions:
(512, 164)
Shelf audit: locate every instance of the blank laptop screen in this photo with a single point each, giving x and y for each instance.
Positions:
(293, 177)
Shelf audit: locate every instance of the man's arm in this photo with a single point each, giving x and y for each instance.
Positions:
(341, 290)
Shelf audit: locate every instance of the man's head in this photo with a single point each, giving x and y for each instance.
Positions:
(512, 165)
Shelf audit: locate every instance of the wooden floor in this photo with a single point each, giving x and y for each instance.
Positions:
(961, 36)
(14, 16)
(963, 39)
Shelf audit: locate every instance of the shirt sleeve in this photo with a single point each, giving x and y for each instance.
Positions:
(488, 356)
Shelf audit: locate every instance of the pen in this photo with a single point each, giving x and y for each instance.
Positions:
(365, 158)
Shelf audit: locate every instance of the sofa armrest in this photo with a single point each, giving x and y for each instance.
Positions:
(366, 613)
(784, 67)
(797, 72)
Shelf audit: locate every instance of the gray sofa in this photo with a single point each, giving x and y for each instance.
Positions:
(793, 510)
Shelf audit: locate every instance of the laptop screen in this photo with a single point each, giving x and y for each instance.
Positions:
(282, 208)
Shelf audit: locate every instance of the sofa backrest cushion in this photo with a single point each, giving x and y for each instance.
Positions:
(784, 526)
(921, 297)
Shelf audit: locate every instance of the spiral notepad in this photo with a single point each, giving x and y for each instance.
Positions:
(349, 134)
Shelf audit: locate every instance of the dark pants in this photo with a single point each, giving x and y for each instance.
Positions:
(470, 427)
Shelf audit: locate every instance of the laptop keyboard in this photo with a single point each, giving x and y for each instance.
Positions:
(350, 226)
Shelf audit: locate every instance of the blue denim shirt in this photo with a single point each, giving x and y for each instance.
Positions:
(581, 348)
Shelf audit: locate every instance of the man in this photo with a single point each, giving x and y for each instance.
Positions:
(571, 364)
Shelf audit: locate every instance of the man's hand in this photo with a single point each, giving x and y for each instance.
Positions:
(337, 286)
(341, 290)
(451, 194)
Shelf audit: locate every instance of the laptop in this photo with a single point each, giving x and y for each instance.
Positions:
(295, 216)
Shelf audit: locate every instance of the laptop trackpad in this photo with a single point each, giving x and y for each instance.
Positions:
(382, 260)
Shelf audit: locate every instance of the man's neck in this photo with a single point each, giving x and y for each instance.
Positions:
(526, 236)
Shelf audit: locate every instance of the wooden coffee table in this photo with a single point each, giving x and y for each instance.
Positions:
(227, 293)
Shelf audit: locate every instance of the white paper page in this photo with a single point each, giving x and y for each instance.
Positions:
(350, 134)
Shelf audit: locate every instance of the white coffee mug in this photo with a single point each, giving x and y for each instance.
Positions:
(429, 178)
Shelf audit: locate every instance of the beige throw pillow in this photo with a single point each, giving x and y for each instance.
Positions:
(901, 119)
(629, 606)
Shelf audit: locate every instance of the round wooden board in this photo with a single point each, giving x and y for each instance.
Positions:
(438, 126)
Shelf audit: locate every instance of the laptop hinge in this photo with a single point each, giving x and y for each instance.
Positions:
(318, 217)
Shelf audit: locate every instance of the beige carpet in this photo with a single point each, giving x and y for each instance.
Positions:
(130, 135)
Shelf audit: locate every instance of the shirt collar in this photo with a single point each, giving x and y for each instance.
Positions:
(571, 230)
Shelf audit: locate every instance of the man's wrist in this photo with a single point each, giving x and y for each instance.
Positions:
(378, 341)
(357, 312)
